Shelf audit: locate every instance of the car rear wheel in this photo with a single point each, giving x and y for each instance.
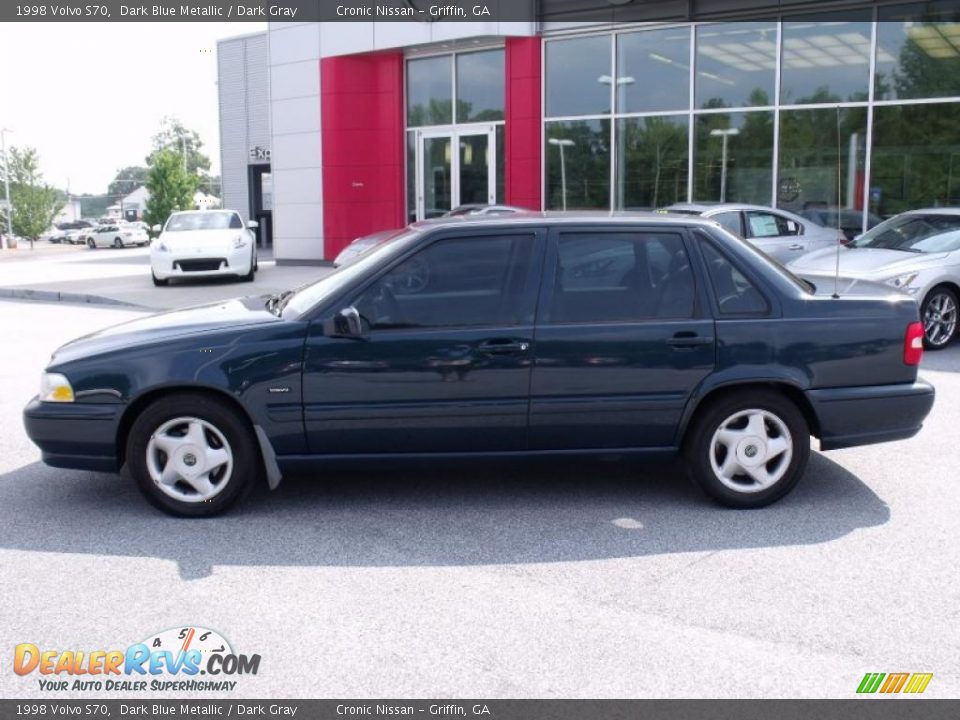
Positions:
(117, 243)
(192, 455)
(748, 449)
(939, 315)
(91, 244)
(157, 281)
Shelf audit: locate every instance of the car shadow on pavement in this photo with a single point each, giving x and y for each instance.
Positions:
(441, 515)
(946, 360)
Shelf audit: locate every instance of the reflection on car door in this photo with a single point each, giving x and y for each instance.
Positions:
(446, 365)
(778, 236)
(621, 339)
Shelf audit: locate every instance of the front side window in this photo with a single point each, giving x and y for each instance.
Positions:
(460, 282)
(621, 277)
(766, 224)
(734, 293)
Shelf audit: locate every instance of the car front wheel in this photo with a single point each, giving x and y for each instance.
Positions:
(192, 455)
(939, 315)
(748, 449)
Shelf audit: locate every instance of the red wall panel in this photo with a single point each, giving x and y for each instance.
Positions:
(361, 108)
(523, 183)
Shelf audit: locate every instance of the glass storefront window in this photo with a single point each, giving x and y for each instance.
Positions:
(916, 158)
(411, 176)
(736, 64)
(577, 156)
(480, 86)
(653, 70)
(813, 162)
(575, 75)
(430, 91)
(651, 161)
(744, 172)
(826, 61)
(918, 51)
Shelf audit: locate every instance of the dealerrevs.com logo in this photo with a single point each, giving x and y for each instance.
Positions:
(179, 659)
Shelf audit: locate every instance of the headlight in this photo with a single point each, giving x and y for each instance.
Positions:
(239, 242)
(55, 387)
(902, 282)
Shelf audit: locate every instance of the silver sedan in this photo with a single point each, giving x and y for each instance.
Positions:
(917, 252)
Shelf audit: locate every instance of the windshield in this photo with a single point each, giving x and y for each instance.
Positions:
(182, 222)
(914, 233)
(304, 298)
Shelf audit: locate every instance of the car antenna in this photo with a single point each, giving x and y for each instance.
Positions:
(836, 268)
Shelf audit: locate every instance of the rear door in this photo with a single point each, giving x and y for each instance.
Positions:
(621, 340)
(778, 236)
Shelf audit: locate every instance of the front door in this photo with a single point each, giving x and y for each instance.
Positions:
(622, 341)
(455, 167)
(445, 366)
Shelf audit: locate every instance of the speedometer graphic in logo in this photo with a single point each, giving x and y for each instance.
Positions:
(188, 638)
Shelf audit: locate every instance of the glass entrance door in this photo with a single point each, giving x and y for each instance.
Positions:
(448, 178)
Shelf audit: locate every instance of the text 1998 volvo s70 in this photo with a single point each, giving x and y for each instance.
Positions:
(533, 334)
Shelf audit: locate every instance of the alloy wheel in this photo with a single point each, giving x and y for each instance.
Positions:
(940, 319)
(189, 459)
(751, 451)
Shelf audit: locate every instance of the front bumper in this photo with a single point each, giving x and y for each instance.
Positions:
(181, 264)
(80, 436)
(851, 416)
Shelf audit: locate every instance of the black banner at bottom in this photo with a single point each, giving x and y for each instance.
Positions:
(863, 708)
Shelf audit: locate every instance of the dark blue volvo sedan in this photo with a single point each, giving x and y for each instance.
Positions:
(532, 334)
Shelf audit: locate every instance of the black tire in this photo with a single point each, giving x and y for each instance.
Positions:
(91, 244)
(700, 453)
(157, 281)
(936, 332)
(117, 243)
(253, 269)
(225, 419)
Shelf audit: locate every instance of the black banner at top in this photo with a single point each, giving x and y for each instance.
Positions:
(270, 10)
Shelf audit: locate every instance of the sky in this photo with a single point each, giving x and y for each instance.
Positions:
(91, 96)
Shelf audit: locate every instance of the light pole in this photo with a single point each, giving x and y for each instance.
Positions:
(562, 143)
(6, 184)
(724, 135)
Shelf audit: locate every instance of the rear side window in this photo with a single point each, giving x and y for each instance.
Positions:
(730, 221)
(617, 277)
(734, 293)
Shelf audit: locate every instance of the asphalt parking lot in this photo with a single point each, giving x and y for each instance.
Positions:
(595, 579)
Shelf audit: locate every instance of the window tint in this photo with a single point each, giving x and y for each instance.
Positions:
(604, 277)
(236, 223)
(729, 221)
(764, 224)
(734, 293)
(455, 282)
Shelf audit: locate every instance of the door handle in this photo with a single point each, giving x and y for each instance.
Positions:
(504, 346)
(796, 246)
(688, 341)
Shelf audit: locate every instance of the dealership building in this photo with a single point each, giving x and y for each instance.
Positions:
(330, 131)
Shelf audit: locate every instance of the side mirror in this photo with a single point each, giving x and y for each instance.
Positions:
(346, 324)
(253, 224)
(156, 228)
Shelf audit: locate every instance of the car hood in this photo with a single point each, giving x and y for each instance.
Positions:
(199, 238)
(863, 262)
(240, 312)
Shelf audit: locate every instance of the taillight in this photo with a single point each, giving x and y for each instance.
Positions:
(913, 344)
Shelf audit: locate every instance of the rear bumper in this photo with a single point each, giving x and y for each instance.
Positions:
(852, 416)
(75, 435)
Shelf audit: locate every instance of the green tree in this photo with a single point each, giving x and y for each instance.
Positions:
(34, 202)
(127, 180)
(176, 138)
(169, 186)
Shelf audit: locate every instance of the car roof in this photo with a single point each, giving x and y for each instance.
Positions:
(702, 207)
(531, 217)
(933, 211)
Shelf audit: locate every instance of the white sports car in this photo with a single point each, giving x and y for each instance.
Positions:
(203, 243)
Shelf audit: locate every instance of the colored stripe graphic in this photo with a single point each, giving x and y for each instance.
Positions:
(894, 683)
(870, 682)
(918, 683)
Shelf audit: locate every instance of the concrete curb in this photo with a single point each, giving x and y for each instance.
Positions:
(67, 297)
